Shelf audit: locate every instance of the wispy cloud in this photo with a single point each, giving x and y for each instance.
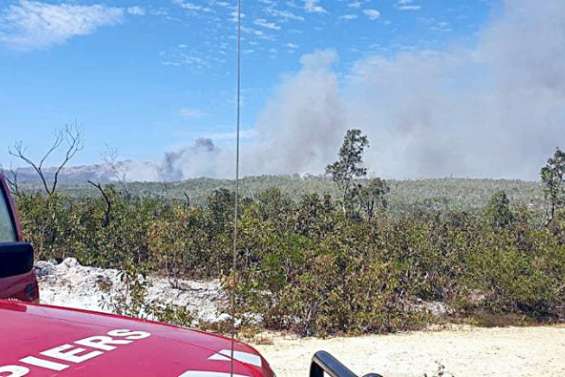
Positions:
(283, 15)
(266, 24)
(313, 6)
(136, 10)
(373, 14)
(441, 26)
(181, 57)
(407, 5)
(348, 17)
(191, 7)
(30, 25)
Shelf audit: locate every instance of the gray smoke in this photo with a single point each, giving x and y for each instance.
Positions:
(494, 110)
(301, 127)
(203, 158)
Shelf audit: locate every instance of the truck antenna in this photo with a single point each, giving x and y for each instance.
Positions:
(233, 278)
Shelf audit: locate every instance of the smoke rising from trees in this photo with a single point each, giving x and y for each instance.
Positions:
(491, 110)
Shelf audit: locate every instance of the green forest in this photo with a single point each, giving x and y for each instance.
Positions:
(336, 254)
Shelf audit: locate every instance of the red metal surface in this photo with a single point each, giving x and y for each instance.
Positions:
(22, 287)
(28, 330)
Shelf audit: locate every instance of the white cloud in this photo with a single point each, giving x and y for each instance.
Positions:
(292, 45)
(30, 25)
(354, 4)
(348, 17)
(441, 26)
(373, 14)
(234, 16)
(408, 7)
(312, 6)
(255, 32)
(283, 15)
(266, 24)
(178, 57)
(136, 10)
(191, 7)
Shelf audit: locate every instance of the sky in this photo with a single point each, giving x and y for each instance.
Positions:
(470, 88)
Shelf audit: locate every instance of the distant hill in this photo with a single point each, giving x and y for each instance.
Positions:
(450, 193)
(103, 173)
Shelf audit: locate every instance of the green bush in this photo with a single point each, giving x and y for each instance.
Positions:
(307, 267)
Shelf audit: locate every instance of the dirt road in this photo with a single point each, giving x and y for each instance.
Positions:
(464, 351)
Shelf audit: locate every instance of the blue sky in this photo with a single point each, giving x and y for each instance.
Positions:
(147, 77)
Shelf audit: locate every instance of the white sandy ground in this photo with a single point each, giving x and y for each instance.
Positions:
(464, 351)
(74, 286)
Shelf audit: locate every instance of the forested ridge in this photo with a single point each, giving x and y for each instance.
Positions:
(460, 193)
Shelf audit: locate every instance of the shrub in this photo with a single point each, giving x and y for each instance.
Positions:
(305, 265)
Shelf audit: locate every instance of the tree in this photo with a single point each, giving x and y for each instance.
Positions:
(552, 178)
(373, 195)
(220, 204)
(348, 167)
(107, 201)
(498, 211)
(70, 136)
(11, 176)
(111, 159)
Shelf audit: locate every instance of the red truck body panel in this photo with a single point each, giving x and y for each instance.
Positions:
(22, 287)
(39, 340)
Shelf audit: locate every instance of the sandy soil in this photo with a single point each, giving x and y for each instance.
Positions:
(464, 351)
(71, 285)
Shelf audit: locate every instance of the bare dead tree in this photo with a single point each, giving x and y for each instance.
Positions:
(108, 209)
(111, 158)
(68, 137)
(12, 179)
(187, 198)
(11, 176)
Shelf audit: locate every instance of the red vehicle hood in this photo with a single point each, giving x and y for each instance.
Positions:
(38, 340)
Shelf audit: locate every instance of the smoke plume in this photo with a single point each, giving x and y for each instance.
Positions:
(203, 158)
(496, 109)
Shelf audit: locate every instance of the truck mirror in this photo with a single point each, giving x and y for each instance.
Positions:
(16, 258)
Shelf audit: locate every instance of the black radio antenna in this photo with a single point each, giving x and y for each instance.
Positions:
(233, 278)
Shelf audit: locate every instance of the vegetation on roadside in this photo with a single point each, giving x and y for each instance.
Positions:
(323, 263)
